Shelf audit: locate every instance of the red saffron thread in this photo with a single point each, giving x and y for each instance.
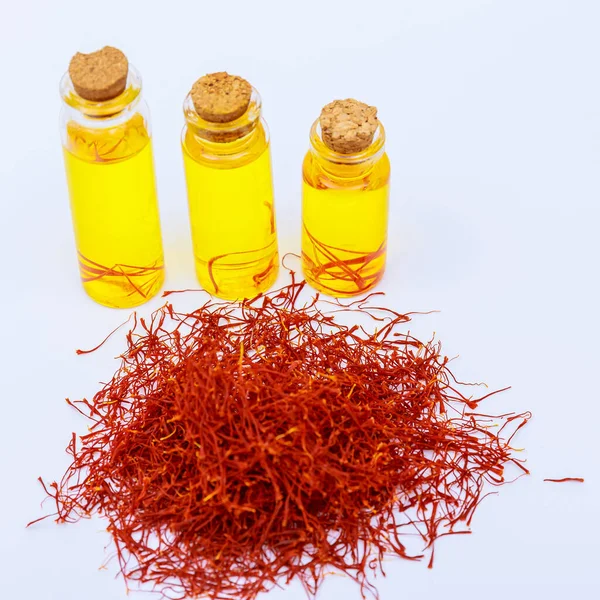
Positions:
(239, 447)
(93, 271)
(565, 479)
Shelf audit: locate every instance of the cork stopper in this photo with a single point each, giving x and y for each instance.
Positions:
(101, 75)
(220, 97)
(348, 126)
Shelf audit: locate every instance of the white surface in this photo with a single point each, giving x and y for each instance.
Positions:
(492, 109)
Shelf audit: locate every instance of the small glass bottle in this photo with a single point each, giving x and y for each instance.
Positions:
(227, 163)
(345, 192)
(110, 174)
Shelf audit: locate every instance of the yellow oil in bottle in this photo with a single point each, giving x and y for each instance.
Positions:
(344, 220)
(232, 212)
(110, 175)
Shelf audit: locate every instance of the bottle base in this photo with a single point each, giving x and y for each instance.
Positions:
(341, 288)
(231, 283)
(114, 296)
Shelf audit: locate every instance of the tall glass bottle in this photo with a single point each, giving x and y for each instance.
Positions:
(110, 174)
(230, 194)
(344, 215)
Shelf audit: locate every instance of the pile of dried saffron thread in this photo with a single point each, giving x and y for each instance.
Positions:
(241, 446)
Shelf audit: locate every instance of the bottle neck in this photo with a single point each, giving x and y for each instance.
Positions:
(102, 114)
(224, 137)
(346, 166)
(225, 144)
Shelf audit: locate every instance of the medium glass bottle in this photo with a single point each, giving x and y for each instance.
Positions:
(110, 174)
(230, 190)
(345, 208)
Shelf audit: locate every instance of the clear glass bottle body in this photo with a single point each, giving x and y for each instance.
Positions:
(110, 173)
(344, 216)
(231, 202)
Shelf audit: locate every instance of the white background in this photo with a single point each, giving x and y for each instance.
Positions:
(492, 109)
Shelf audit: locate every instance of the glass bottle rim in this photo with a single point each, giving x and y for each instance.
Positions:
(127, 99)
(375, 149)
(242, 124)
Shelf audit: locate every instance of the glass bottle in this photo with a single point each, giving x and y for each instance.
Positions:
(231, 202)
(110, 173)
(344, 216)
